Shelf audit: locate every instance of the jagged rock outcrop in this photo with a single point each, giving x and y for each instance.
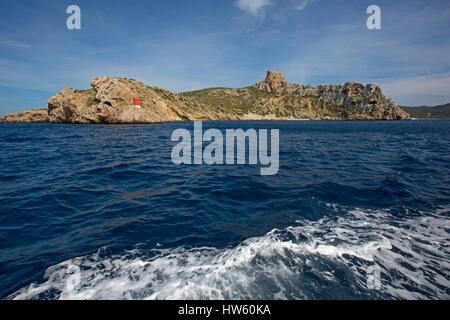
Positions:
(275, 98)
(275, 83)
(111, 101)
(353, 101)
(363, 102)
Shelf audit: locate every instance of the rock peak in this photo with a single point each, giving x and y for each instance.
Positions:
(275, 82)
(272, 74)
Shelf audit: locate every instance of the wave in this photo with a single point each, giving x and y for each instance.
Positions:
(326, 259)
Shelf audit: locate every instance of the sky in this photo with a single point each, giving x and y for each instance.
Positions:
(184, 45)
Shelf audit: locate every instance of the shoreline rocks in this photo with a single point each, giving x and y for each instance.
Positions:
(110, 101)
(32, 116)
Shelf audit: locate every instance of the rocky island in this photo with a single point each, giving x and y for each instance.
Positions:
(110, 101)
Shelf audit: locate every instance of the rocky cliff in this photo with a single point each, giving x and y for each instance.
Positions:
(276, 98)
(111, 101)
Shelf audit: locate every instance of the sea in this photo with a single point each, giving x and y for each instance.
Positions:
(358, 210)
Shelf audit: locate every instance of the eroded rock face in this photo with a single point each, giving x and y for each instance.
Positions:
(361, 102)
(352, 101)
(275, 83)
(111, 101)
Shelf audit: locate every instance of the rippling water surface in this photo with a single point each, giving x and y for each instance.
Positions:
(106, 204)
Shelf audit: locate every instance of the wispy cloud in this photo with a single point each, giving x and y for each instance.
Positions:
(14, 44)
(302, 4)
(253, 7)
(258, 7)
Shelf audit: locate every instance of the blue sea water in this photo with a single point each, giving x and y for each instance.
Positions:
(100, 212)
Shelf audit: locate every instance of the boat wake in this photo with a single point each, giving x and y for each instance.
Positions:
(326, 259)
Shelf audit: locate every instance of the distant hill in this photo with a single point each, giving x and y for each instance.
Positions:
(424, 112)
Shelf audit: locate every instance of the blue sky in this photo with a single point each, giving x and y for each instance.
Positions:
(191, 44)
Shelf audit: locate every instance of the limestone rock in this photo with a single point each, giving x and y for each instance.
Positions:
(275, 98)
(36, 116)
(110, 100)
(275, 82)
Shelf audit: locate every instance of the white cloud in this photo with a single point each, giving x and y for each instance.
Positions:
(257, 7)
(253, 7)
(302, 4)
(14, 44)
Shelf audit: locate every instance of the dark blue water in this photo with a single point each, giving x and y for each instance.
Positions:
(104, 205)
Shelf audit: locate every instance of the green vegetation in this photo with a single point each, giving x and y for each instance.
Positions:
(85, 91)
(251, 100)
(91, 101)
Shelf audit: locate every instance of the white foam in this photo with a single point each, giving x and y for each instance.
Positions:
(310, 260)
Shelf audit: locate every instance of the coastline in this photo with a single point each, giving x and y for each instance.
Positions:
(128, 101)
(219, 121)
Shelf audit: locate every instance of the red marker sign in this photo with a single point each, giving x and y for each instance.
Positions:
(137, 102)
